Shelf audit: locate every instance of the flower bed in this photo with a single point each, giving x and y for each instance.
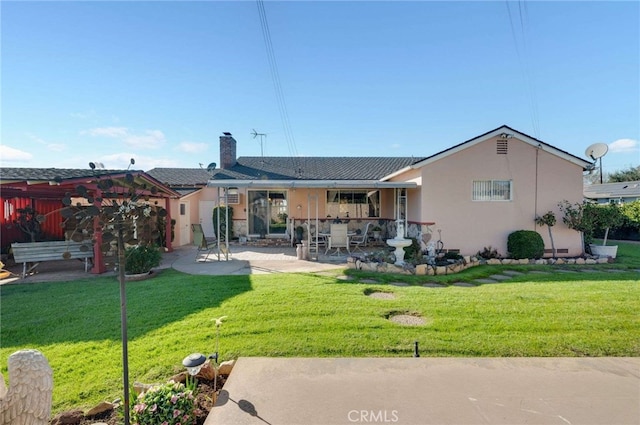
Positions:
(456, 266)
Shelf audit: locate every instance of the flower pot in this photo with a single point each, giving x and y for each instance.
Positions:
(604, 250)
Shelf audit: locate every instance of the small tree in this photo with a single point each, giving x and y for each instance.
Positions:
(607, 217)
(549, 220)
(576, 217)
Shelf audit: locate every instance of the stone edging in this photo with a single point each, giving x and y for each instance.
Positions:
(428, 270)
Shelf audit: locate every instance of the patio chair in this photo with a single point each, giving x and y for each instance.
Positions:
(360, 239)
(313, 233)
(338, 238)
(203, 243)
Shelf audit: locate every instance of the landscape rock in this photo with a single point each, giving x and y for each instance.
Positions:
(71, 417)
(139, 387)
(103, 407)
(207, 372)
(225, 368)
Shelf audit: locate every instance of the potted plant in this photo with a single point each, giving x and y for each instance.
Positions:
(376, 232)
(299, 233)
(606, 217)
(140, 259)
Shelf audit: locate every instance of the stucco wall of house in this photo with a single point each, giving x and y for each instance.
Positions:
(469, 225)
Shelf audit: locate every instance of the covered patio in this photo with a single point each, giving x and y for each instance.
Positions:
(299, 211)
(43, 192)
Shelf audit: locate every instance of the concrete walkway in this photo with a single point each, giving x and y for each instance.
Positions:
(243, 260)
(421, 391)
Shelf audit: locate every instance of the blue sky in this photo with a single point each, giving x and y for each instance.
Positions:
(160, 81)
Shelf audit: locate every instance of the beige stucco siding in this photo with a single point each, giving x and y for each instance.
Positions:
(468, 225)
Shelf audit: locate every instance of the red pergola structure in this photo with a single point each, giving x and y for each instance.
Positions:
(44, 188)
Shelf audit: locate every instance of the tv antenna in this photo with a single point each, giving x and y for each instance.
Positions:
(597, 151)
(262, 136)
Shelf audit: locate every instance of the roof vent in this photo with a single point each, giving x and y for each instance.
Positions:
(502, 146)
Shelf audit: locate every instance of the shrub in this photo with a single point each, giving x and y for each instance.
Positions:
(525, 244)
(169, 404)
(413, 252)
(488, 253)
(141, 259)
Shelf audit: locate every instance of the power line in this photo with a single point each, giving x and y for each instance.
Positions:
(523, 15)
(275, 77)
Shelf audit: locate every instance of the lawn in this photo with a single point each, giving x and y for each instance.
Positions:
(77, 324)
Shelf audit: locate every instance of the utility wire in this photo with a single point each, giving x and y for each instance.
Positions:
(277, 85)
(524, 63)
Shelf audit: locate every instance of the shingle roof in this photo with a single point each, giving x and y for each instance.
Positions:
(181, 176)
(38, 179)
(52, 173)
(613, 190)
(314, 168)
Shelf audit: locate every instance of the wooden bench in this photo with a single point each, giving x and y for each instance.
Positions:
(37, 252)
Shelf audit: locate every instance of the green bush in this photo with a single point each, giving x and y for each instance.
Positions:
(167, 404)
(525, 244)
(141, 259)
(413, 252)
(220, 228)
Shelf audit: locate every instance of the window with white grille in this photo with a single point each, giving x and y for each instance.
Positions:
(491, 190)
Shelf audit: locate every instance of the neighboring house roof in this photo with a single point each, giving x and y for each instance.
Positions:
(622, 190)
(57, 181)
(509, 132)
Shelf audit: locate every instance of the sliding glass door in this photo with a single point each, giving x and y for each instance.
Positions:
(268, 212)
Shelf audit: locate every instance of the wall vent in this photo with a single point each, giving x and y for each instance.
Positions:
(502, 146)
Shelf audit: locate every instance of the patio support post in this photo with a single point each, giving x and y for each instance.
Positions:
(167, 225)
(99, 266)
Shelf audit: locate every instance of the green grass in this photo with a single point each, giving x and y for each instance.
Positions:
(77, 324)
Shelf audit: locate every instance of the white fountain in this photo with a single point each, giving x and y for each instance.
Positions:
(399, 242)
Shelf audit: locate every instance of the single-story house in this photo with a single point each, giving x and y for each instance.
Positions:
(618, 193)
(469, 196)
(43, 190)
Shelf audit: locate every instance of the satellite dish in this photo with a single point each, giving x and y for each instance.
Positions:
(597, 150)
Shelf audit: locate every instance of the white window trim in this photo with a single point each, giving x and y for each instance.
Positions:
(492, 181)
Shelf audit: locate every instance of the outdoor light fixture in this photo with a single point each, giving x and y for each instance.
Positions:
(193, 363)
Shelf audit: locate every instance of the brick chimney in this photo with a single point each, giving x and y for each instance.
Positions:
(227, 151)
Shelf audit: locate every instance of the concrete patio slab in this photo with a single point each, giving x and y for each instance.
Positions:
(421, 391)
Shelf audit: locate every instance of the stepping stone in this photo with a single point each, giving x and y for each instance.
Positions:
(343, 277)
(399, 284)
(589, 270)
(512, 273)
(464, 284)
(538, 272)
(499, 277)
(382, 295)
(485, 281)
(566, 271)
(615, 271)
(433, 285)
(369, 281)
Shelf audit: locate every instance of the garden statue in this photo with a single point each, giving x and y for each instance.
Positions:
(28, 399)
